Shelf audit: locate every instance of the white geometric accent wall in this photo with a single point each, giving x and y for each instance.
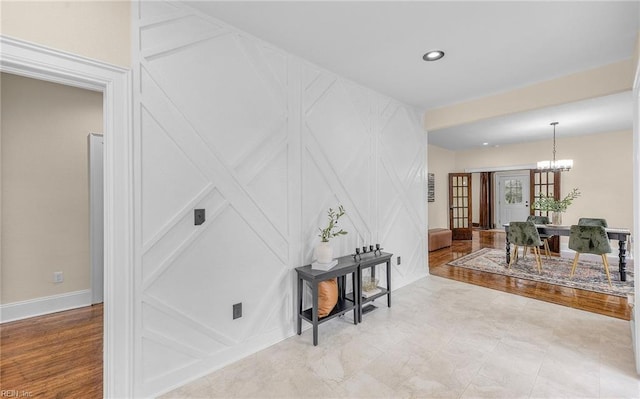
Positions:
(266, 143)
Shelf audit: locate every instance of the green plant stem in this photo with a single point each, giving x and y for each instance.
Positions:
(328, 232)
(549, 204)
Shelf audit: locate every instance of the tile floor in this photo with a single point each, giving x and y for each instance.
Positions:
(441, 339)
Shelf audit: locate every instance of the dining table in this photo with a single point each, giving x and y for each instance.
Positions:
(620, 234)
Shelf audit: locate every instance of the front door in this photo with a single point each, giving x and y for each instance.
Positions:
(513, 197)
(460, 206)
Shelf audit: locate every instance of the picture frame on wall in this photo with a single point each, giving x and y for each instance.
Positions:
(431, 187)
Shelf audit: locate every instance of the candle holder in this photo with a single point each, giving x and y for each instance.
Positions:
(377, 250)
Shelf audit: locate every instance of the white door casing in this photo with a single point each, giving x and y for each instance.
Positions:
(39, 62)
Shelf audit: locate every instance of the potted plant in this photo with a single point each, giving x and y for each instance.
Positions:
(324, 251)
(549, 204)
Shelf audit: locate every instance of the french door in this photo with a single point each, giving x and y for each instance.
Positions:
(460, 206)
(547, 183)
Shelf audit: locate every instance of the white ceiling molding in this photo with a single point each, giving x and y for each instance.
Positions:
(508, 168)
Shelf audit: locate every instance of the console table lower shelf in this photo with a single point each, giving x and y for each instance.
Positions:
(343, 306)
(347, 265)
(367, 300)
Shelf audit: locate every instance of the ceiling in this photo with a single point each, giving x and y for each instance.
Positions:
(606, 114)
(491, 47)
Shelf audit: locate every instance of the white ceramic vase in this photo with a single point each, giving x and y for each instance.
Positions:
(556, 218)
(324, 252)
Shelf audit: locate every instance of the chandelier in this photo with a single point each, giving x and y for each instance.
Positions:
(561, 165)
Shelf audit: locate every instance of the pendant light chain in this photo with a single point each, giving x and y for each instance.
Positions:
(554, 165)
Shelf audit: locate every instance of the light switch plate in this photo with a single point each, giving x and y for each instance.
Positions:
(199, 217)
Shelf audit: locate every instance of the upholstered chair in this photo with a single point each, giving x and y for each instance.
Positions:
(536, 219)
(590, 240)
(592, 222)
(525, 234)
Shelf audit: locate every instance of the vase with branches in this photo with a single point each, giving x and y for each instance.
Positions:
(549, 204)
(324, 250)
(330, 231)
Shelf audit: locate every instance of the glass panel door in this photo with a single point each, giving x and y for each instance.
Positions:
(460, 205)
(548, 184)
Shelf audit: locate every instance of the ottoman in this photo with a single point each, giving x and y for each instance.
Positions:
(439, 238)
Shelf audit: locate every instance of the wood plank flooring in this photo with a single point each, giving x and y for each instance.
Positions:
(60, 355)
(608, 305)
(53, 356)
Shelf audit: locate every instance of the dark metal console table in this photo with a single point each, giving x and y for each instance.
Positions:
(346, 265)
(346, 302)
(370, 262)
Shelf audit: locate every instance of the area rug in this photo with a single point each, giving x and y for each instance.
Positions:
(589, 275)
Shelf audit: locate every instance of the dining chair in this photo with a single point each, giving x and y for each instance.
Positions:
(525, 234)
(537, 219)
(589, 240)
(592, 222)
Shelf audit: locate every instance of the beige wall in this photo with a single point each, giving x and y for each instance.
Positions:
(613, 78)
(96, 29)
(440, 162)
(602, 171)
(45, 194)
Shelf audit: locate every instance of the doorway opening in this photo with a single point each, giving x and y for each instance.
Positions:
(120, 216)
(46, 252)
(499, 197)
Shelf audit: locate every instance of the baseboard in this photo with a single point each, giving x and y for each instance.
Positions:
(45, 305)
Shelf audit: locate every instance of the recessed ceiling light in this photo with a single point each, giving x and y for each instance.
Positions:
(485, 143)
(433, 55)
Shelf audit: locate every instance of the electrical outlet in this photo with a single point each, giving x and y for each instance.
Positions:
(237, 310)
(399, 260)
(58, 277)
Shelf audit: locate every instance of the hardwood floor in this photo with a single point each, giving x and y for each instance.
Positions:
(53, 356)
(608, 305)
(60, 355)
